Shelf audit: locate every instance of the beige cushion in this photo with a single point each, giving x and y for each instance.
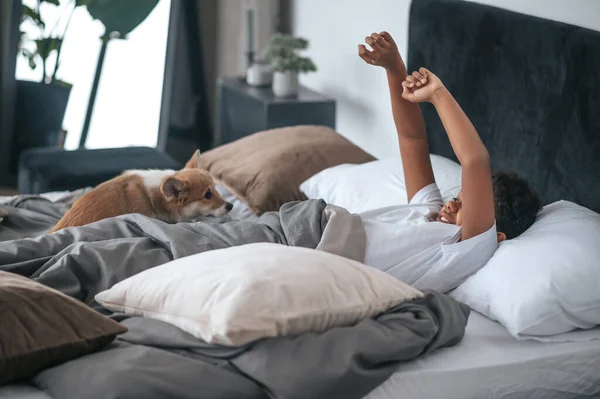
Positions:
(41, 327)
(265, 169)
(240, 294)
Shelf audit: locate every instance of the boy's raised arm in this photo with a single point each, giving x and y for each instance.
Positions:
(477, 196)
(410, 126)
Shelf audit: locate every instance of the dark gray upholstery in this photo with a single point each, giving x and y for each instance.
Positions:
(531, 87)
(48, 169)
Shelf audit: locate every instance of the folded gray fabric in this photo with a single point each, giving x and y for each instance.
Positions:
(157, 360)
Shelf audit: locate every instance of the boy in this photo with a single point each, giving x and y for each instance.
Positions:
(466, 231)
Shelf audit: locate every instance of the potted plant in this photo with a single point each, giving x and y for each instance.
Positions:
(282, 52)
(41, 105)
(49, 40)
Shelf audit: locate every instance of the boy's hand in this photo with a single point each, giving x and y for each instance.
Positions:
(421, 86)
(384, 54)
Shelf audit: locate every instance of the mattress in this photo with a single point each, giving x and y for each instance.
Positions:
(490, 363)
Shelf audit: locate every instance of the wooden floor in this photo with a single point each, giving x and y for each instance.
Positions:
(7, 191)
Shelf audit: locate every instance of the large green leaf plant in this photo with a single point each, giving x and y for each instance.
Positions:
(38, 48)
(119, 18)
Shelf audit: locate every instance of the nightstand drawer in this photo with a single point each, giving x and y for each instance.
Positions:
(301, 114)
(244, 110)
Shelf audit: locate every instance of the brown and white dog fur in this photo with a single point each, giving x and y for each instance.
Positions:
(168, 195)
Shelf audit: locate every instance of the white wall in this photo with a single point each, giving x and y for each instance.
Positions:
(335, 27)
(224, 28)
(232, 34)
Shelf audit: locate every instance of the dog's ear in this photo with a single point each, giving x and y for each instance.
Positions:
(194, 161)
(172, 188)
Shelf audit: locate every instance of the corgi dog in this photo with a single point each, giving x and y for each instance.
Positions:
(167, 195)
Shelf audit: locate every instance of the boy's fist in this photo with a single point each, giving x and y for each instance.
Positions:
(384, 54)
(421, 86)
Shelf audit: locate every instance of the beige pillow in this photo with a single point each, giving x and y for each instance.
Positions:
(41, 327)
(236, 295)
(266, 169)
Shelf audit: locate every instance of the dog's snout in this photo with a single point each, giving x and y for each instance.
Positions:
(228, 206)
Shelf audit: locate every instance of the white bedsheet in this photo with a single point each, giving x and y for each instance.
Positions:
(490, 363)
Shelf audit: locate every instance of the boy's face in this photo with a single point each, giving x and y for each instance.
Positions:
(451, 211)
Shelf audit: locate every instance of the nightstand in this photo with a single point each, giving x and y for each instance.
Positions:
(244, 109)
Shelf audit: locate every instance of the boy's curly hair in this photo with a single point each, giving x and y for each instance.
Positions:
(517, 203)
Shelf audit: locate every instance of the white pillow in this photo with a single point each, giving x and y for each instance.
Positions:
(376, 184)
(547, 280)
(240, 294)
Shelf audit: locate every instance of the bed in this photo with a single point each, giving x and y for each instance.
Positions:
(516, 76)
(532, 91)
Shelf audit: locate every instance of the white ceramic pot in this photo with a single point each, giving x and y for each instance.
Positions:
(260, 74)
(285, 84)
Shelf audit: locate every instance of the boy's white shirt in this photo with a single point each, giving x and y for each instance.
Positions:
(407, 242)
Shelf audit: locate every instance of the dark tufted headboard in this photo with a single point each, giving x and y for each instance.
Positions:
(531, 87)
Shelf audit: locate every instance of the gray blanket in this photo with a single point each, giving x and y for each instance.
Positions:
(157, 360)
